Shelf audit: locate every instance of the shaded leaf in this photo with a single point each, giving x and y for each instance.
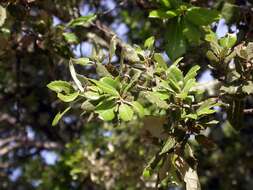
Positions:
(176, 45)
(201, 16)
(205, 141)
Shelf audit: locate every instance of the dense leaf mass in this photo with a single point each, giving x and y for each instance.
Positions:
(136, 95)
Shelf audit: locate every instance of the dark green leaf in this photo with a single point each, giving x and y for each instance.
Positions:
(191, 32)
(201, 16)
(176, 45)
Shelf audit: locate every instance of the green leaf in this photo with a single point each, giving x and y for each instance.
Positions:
(87, 106)
(67, 97)
(153, 98)
(101, 70)
(188, 85)
(130, 54)
(201, 16)
(205, 108)
(230, 12)
(60, 86)
(228, 41)
(59, 115)
(92, 95)
(81, 21)
(74, 77)
(192, 73)
(134, 79)
(125, 112)
(190, 116)
(112, 48)
(106, 109)
(162, 14)
(149, 43)
(138, 108)
(82, 61)
(159, 59)
(191, 32)
(169, 144)
(106, 88)
(112, 82)
(165, 3)
(146, 173)
(174, 85)
(107, 115)
(70, 38)
(175, 73)
(176, 45)
(162, 95)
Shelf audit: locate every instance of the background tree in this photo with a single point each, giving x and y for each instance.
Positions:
(156, 115)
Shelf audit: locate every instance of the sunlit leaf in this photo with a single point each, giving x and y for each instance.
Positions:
(59, 116)
(60, 86)
(125, 112)
(82, 61)
(81, 21)
(138, 108)
(74, 77)
(68, 97)
(149, 43)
